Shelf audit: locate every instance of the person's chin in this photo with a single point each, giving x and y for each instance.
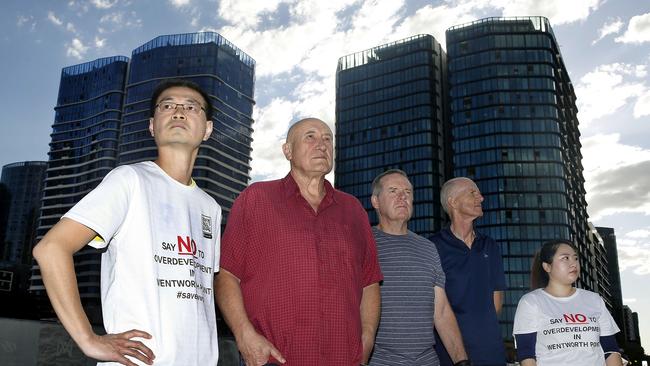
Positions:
(324, 168)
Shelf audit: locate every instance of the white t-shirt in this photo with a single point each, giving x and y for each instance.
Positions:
(162, 251)
(568, 328)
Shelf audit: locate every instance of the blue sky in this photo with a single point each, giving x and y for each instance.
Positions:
(296, 43)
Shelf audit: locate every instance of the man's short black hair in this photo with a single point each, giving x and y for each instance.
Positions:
(171, 83)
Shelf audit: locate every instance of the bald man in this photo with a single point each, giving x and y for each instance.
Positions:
(299, 273)
(475, 280)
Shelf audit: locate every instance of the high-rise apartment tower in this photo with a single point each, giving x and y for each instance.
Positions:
(516, 134)
(390, 113)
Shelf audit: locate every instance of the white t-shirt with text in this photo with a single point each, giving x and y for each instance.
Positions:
(161, 241)
(568, 328)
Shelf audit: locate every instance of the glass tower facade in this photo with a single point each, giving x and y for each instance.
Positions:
(83, 150)
(222, 167)
(24, 184)
(391, 113)
(516, 134)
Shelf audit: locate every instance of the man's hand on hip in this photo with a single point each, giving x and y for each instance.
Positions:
(115, 347)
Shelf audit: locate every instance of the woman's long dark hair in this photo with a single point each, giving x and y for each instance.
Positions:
(538, 276)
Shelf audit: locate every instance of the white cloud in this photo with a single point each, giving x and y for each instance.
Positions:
(70, 28)
(373, 25)
(634, 252)
(616, 176)
(608, 88)
(282, 49)
(557, 11)
(639, 234)
(246, 13)
(21, 20)
(436, 20)
(604, 152)
(611, 27)
(638, 30)
(179, 3)
(623, 241)
(270, 48)
(313, 33)
(100, 42)
(316, 99)
(81, 7)
(271, 124)
(642, 105)
(635, 258)
(118, 20)
(377, 14)
(76, 49)
(53, 18)
(629, 301)
(115, 18)
(104, 4)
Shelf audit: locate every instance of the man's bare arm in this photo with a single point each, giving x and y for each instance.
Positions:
(445, 322)
(54, 254)
(254, 347)
(498, 301)
(370, 311)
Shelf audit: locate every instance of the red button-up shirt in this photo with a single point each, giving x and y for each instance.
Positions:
(302, 272)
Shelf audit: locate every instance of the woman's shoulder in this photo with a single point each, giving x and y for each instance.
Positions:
(586, 294)
(533, 296)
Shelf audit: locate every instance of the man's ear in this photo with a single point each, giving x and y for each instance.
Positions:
(374, 201)
(208, 130)
(451, 202)
(151, 126)
(286, 150)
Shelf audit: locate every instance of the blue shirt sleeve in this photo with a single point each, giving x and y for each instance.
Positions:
(609, 345)
(526, 346)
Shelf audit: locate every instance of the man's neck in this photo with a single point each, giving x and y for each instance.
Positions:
(312, 187)
(393, 227)
(177, 163)
(463, 230)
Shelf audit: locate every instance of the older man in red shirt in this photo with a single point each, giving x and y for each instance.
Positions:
(299, 271)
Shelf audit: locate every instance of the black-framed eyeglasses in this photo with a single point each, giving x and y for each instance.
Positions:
(189, 108)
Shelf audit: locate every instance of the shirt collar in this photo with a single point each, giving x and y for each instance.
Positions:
(291, 189)
(450, 236)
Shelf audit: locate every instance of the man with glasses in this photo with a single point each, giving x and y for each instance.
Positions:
(160, 237)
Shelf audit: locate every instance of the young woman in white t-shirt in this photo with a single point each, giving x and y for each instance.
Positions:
(558, 324)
